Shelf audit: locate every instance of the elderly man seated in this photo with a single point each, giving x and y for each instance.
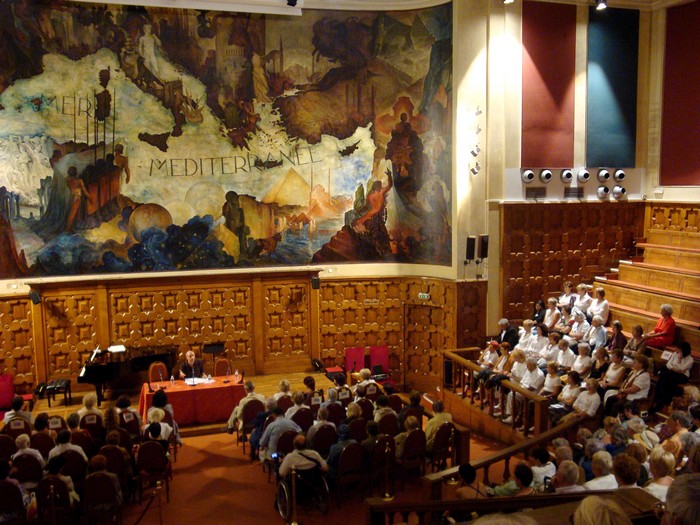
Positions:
(237, 414)
(566, 478)
(63, 443)
(603, 479)
(302, 458)
(191, 367)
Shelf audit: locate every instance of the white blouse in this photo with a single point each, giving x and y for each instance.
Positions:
(614, 373)
(680, 364)
(581, 363)
(552, 383)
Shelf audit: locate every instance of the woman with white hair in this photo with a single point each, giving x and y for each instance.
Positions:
(595, 510)
(578, 329)
(23, 447)
(596, 336)
(664, 332)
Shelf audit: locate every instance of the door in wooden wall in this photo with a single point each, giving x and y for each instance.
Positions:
(423, 342)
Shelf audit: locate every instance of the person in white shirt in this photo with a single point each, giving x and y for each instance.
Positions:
(578, 329)
(566, 398)
(596, 335)
(542, 467)
(552, 381)
(284, 389)
(582, 363)
(22, 443)
(566, 478)
(599, 306)
(63, 443)
(550, 351)
(17, 403)
(89, 402)
(525, 334)
(568, 297)
(552, 314)
(533, 379)
(582, 300)
(675, 373)
(565, 357)
(538, 341)
(587, 402)
(298, 399)
(488, 356)
(603, 479)
(662, 465)
(635, 386)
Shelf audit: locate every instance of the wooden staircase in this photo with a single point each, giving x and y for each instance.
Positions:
(668, 272)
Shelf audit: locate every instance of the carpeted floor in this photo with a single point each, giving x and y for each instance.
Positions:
(213, 483)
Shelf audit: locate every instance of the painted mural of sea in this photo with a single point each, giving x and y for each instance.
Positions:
(298, 246)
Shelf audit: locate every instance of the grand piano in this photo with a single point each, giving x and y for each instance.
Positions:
(107, 367)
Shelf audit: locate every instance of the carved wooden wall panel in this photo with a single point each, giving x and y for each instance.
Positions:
(471, 313)
(16, 342)
(287, 326)
(70, 332)
(544, 245)
(674, 216)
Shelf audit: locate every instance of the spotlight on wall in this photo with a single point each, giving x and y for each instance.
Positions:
(35, 296)
(476, 168)
(545, 176)
(566, 176)
(619, 175)
(528, 176)
(619, 192)
(475, 151)
(583, 175)
(601, 4)
(506, 2)
(602, 192)
(292, 3)
(603, 176)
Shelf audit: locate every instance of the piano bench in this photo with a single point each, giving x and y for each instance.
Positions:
(59, 386)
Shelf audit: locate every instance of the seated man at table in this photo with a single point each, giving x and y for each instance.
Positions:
(191, 367)
(237, 414)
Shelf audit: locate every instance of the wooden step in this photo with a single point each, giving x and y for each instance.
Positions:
(671, 279)
(686, 307)
(678, 257)
(673, 238)
(630, 316)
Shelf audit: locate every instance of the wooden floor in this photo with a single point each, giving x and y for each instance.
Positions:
(266, 385)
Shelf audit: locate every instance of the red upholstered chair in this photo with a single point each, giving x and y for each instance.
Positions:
(100, 500)
(53, 501)
(153, 466)
(324, 439)
(351, 470)
(57, 423)
(413, 457)
(372, 391)
(43, 443)
(118, 464)
(354, 359)
(7, 392)
(367, 408)
(222, 367)
(251, 409)
(7, 447)
(84, 441)
(93, 424)
(304, 418)
(284, 403)
(16, 426)
(443, 447)
(11, 504)
(336, 413)
(389, 424)
(358, 429)
(158, 372)
(345, 396)
(28, 470)
(382, 461)
(129, 422)
(75, 467)
(379, 357)
(314, 400)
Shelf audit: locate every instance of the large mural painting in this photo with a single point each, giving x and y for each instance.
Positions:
(140, 139)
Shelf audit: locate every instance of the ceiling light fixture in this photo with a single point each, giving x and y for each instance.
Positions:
(601, 4)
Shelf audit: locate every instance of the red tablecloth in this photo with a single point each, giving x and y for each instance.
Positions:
(204, 403)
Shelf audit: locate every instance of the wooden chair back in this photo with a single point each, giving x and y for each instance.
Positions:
(336, 413)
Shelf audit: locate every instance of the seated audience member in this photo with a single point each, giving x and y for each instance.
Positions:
(552, 382)
(583, 361)
(618, 441)
(568, 297)
(603, 479)
(683, 501)
(550, 352)
(299, 398)
(414, 399)
(258, 424)
(626, 470)
(538, 311)
(63, 443)
(352, 412)
(236, 418)
(470, 487)
(53, 469)
(337, 449)
(596, 335)
(41, 425)
(382, 408)
(565, 357)
(322, 421)
(617, 339)
(583, 434)
(631, 414)
(160, 400)
(563, 327)
(552, 315)
(73, 423)
(661, 467)
(635, 387)
(539, 341)
(302, 458)
(489, 356)
(565, 479)
(679, 423)
(191, 367)
(124, 405)
(526, 334)
(360, 392)
(411, 425)
(592, 446)
(566, 398)
(615, 374)
(595, 510)
(372, 436)
(340, 380)
(675, 373)
(365, 379)
(114, 439)
(599, 306)
(639, 453)
(89, 405)
(532, 380)
(439, 418)
(664, 332)
(98, 465)
(689, 441)
(599, 364)
(519, 485)
(310, 384)
(498, 373)
(542, 467)
(5, 469)
(332, 398)
(636, 343)
(582, 300)
(23, 447)
(586, 404)
(155, 417)
(271, 435)
(507, 333)
(284, 389)
(579, 328)
(17, 403)
(111, 419)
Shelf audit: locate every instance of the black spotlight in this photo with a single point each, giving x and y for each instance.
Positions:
(35, 296)
(292, 3)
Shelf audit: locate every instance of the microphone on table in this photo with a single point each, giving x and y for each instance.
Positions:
(228, 371)
(160, 373)
(193, 383)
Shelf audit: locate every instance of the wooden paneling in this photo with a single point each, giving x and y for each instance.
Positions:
(673, 281)
(650, 299)
(546, 244)
(673, 257)
(674, 216)
(16, 341)
(471, 313)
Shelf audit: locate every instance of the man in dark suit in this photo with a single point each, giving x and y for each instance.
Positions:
(508, 333)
